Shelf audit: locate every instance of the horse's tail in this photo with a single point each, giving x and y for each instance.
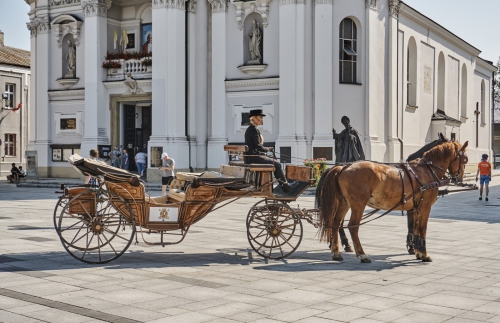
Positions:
(328, 197)
(317, 195)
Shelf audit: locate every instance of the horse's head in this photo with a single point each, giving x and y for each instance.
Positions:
(457, 165)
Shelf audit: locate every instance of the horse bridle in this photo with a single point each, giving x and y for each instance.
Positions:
(462, 160)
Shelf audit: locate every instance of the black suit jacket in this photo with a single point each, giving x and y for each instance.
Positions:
(252, 140)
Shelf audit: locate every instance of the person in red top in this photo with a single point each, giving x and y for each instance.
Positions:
(484, 169)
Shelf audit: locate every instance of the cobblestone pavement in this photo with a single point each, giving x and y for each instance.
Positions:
(213, 276)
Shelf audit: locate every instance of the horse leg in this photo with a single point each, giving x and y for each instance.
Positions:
(356, 215)
(338, 222)
(343, 238)
(420, 232)
(409, 238)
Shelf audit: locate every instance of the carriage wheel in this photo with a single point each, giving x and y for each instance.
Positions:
(63, 200)
(274, 230)
(98, 232)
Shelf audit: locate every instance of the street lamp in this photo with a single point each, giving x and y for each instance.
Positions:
(5, 98)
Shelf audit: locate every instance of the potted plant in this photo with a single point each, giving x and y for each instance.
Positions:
(318, 166)
(111, 66)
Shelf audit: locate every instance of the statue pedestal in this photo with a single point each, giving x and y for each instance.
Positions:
(252, 69)
(67, 83)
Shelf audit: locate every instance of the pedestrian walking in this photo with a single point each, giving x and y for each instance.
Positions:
(168, 165)
(140, 160)
(484, 171)
(125, 161)
(117, 161)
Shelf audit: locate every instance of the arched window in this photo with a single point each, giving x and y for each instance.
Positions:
(441, 82)
(463, 111)
(483, 94)
(411, 73)
(348, 47)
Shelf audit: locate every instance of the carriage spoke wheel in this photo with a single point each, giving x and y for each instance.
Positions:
(92, 226)
(274, 230)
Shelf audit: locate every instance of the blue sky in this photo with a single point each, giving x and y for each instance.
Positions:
(473, 21)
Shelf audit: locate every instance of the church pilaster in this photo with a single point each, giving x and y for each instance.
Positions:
(393, 144)
(218, 135)
(169, 76)
(292, 77)
(95, 25)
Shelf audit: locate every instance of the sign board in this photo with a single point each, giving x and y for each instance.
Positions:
(31, 164)
(163, 214)
(101, 132)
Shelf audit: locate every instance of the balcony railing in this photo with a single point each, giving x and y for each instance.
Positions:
(135, 67)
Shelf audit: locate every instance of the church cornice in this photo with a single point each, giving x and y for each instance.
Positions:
(66, 93)
(372, 4)
(218, 5)
(29, 2)
(95, 7)
(175, 4)
(285, 2)
(394, 8)
(323, 1)
(39, 25)
(253, 83)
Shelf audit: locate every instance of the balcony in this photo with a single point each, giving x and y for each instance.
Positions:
(118, 67)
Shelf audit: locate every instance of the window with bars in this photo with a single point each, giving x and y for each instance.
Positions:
(348, 46)
(10, 145)
(10, 91)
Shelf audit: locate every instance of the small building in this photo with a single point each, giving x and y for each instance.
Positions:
(14, 106)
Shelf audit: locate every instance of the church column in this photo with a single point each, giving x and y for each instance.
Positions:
(169, 76)
(200, 69)
(393, 143)
(292, 78)
(192, 88)
(41, 136)
(95, 24)
(323, 74)
(218, 136)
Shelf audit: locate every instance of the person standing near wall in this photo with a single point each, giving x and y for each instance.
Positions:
(484, 170)
(125, 161)
(168, 165)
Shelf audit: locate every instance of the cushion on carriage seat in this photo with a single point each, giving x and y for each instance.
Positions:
(177, 184)
(238, 172)
(186, 176)
(178, 196)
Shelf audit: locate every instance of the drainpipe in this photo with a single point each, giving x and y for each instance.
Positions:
(397, 99)
(186, 84)
(492, 116)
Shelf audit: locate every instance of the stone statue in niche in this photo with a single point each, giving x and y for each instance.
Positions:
(255, 40)
(71, 58)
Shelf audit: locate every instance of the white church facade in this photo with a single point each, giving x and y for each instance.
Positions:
(101, 80)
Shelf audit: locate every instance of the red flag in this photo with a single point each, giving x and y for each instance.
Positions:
(18, 107)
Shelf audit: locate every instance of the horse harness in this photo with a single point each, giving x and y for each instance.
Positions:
(416, 184)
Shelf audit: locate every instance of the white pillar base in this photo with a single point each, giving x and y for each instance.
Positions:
(394, 151)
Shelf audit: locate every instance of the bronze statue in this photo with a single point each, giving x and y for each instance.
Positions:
(348, 147)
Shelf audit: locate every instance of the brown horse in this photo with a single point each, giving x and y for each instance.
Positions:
(386, 187)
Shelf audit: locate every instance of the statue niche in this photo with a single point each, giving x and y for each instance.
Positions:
(253, 45)
(69, 61)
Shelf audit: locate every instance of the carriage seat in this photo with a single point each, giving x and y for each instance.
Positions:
(177, 195)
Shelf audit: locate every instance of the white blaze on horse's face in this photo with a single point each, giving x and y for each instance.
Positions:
(457, 166)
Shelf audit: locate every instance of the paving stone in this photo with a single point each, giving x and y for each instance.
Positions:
(422, 317)
(346, 313)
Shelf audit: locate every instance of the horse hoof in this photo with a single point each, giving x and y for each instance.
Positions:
(364, 259)
(348, 249)
(337, 257)
(411, 251)
(426, 259)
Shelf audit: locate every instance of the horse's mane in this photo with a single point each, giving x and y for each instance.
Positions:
(446, 150)
(420, 153)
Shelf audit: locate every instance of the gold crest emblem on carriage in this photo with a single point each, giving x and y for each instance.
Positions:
(164, 214)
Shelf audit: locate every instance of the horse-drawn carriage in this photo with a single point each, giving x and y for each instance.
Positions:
(97, 224)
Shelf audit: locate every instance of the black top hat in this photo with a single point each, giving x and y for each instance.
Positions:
(257, 112)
